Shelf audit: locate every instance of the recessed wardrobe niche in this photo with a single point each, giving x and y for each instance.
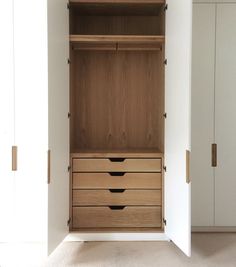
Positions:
(116, 114)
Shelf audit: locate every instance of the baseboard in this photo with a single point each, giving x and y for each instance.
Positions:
(214, 229)
(116, 237)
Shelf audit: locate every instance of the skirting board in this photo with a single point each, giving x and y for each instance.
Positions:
(214, 229)
(116, 237)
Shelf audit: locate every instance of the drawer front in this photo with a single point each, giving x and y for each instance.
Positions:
(95, 217)
(116, 165)
(116, 197)
(117, 180)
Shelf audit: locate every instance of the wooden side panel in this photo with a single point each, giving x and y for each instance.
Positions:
(95, 217)
(106, 165)
(106, 197)
(121, 180)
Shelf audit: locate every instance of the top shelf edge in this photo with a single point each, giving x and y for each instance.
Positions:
(117, 1)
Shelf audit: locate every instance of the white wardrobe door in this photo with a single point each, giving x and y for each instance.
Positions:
(203, 62)
(31, 102)
(58, 81)
(225, 175)
(7, 121)
(177, 126)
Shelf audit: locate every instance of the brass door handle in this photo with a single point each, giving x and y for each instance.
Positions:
(14, 158)
(214, 155)
(49, 167)
(188, 180)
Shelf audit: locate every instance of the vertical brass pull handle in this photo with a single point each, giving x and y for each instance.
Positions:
(188, 180)
(214, 155)
(49, 166)
(14, 158)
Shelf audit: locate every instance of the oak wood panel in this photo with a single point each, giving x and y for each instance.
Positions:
(117, 25)
(126, 181)
(118, 1)
(121, 153)
(115, 230)
(106, 197)
(118, 100)
(106, 165)
(117, 38)
(84, 217)
(117, 9)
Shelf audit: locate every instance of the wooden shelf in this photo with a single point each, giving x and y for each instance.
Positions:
(125, 153)
(118, 230)
(158, 39)
(118, 1)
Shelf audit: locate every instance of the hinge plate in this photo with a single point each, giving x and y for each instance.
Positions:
(68, 5)
(69, 115)
(68, 222)
(166, 7)
(164, 221)
(165, 115)
(165, 62)
(164, 168)
(68, 61)
(69, 168)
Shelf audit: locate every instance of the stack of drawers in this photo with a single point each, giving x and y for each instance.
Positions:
(116, 192)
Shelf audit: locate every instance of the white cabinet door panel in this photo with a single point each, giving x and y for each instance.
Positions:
(225, 176)
(58, 82)
(177, 127)
(203, 66)
(31, 102)
(7, 122)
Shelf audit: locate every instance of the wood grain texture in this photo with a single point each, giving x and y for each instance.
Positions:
(14, 158)
(117, 9)
(126, 181)
(105, 165)
(119, 102)
(118, 153)
(144, 39)
(118, 1)
(84, 217)
(117, 25)
(121, 229)
(107, 198)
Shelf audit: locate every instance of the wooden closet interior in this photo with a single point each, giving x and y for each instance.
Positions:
(116, 114)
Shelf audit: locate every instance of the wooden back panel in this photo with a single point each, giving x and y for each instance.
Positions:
(117, 100)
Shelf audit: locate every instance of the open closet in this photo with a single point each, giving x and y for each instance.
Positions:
(117, 114)
(101, 120)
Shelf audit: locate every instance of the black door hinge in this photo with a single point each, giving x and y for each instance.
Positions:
(69, 168)
(68, 5)
(69, 115)
(164, 168)
(68, 61)
(164, 221)
(165, 7)
(165, 115)
(68, 222)
(165, 62)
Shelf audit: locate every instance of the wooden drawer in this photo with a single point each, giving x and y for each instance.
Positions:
(116, 197)
(116, 165)
(98, 217)
(117, 180)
